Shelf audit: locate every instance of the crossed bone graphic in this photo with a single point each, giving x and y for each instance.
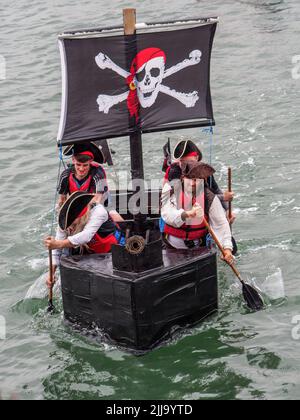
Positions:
(148, 81)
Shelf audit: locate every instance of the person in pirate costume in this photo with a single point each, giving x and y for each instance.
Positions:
(187, 151)
(86, 173)
(186, 200)
(84, 227)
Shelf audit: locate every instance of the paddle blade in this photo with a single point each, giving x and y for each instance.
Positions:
(252, 298)
(235, 247)
(51, 307)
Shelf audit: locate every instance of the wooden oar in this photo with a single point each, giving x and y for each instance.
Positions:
(235, 248)
(230, 190)
(251, 295)
(51, 307)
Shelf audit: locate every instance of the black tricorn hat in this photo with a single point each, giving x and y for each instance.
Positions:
(72, 208)
(75, 149)
(197, 170)
(184, 148)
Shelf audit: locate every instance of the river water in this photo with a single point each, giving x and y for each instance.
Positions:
(234, 355)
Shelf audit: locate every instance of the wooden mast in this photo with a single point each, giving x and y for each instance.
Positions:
(136, 147)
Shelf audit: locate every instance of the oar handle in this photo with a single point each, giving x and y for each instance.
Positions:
(51, 276)
(214, 236)
(230, 190)
(236, 272)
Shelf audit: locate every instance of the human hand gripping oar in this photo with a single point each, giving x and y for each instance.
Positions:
(251, 295)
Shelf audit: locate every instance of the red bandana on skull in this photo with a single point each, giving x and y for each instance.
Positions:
(139, 61)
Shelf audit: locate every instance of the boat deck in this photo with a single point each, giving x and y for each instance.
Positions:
(172, 258)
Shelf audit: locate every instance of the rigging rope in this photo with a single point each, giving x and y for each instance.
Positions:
(210, 131)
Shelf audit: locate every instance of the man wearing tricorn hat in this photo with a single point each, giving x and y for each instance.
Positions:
(186, 201)
(187, 151)
(84, 225)
(86, 173)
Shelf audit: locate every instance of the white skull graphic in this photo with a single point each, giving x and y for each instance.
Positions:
(148, 81)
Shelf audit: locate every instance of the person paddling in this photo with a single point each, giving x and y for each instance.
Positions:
(186, 201)
(187, 151)
(84, 227)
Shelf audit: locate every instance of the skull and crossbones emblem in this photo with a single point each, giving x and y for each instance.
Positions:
(145, 80)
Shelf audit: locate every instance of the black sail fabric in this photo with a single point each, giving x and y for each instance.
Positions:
(154, 81)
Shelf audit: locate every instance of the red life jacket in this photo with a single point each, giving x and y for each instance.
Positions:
(192, 230)
(103, 240)
(166, 177)
(86, 186)
(101, 245)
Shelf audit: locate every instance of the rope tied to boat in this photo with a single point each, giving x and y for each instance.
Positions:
(135, 245)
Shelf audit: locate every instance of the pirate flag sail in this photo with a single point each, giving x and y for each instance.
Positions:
(158, 80)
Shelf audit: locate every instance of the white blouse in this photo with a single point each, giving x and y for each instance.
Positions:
(98, 216)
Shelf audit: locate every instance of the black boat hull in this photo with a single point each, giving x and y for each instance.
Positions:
(139, 310)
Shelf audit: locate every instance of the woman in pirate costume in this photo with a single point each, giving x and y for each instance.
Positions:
(85, 226)
(186, 201)
(86, 173)
(187, 151)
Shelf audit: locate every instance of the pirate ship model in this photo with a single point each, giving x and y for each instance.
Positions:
(121, 82)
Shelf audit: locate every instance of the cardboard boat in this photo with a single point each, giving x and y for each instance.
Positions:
(140, 307)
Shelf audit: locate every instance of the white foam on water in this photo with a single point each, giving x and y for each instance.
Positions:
(249, 162)
(276, 205)
(273, 286)
(252, 130)
(283, 245)
(37, 263)
(249, 210)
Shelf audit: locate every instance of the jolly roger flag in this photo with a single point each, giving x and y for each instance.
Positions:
(156, 80)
